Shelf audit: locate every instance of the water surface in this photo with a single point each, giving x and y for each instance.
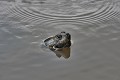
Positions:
(93, 24)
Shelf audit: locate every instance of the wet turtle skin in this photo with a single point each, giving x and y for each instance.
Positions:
(61, 40)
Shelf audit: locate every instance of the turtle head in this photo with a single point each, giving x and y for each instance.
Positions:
(64, 40)
(63, 35)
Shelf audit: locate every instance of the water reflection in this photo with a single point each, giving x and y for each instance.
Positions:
(64, 52)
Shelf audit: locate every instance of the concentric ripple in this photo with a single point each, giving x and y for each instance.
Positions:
(104, 12)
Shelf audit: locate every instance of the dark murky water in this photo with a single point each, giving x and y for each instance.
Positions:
(93, 24)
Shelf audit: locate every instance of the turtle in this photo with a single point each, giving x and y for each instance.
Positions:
(59, 43)
(60, 40)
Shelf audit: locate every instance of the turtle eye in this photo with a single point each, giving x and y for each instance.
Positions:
(59, 36)
(68, 36)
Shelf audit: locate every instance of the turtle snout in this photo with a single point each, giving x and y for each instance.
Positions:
(59, 36)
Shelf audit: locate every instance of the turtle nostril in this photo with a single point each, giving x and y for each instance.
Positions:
(63, 32)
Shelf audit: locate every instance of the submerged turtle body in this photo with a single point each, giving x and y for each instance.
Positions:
(60, 40)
